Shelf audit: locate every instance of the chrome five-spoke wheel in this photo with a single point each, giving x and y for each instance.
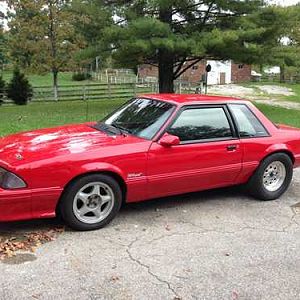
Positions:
(93, 202)
(274, 176)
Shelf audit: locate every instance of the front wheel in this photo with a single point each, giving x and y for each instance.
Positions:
(272, 178)
(91, 202)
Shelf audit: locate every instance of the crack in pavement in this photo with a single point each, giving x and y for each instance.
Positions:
(246, 226)
(137, 261)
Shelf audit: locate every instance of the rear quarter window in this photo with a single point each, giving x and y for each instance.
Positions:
(247, 123)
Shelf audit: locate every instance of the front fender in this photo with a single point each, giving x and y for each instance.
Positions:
(98, 167)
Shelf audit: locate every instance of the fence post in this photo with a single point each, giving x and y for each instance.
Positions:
(109, 89)
(84, 95)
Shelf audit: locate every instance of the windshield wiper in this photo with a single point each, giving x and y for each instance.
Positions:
(108, 128)
(121, 128)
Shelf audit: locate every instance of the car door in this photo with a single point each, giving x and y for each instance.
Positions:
(209, 153)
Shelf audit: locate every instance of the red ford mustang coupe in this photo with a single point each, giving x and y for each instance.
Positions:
(153, 146)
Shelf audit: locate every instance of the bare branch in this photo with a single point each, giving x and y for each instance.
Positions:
(175, 76)
(179, 66)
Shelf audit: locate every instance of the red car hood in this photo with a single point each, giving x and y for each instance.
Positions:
(40, 144)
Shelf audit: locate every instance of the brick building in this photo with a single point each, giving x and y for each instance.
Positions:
(222, 72)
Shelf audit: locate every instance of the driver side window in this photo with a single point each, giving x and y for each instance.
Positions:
(198, 124)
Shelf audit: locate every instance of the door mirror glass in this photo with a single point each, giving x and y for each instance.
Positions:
(169, 140)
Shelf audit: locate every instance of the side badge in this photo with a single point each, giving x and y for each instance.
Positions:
(134, 175)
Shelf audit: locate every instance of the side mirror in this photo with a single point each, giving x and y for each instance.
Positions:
(169, 140)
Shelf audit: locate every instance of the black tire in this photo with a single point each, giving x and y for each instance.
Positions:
(256, 187)
(66, 203)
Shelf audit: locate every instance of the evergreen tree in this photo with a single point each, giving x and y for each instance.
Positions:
(285, 49)
(3, 47)
(19, 88)
(174, 35)
(2, 89)
(90, 19)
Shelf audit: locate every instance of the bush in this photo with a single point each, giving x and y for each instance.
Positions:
(81, 76)
(2, 89)
(19, 88)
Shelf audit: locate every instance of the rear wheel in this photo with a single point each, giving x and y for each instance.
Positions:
(272, 178)
(91, 202)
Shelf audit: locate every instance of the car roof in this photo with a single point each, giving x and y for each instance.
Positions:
(182, 99)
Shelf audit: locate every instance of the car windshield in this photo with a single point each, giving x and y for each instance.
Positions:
(140, 117)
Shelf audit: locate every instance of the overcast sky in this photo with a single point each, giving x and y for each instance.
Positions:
(285, 2)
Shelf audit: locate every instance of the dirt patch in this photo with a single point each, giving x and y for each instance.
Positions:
(265, 94)
(231, 90)
(279, 103)
(276, 90)
(257, 90)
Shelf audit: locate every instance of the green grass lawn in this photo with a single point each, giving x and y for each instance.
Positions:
(296, 90)
(281, 115)
(49, 114)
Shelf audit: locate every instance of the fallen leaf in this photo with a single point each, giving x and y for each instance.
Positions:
(29, 242)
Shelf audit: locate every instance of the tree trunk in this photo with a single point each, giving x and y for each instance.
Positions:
(165, 57)
(55, 84)
(165, 72)
(282, 73)
(52, 35)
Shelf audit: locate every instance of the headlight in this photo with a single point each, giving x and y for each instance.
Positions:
(10, 180)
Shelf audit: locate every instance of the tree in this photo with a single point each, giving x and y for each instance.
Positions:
(19, 88)
(285, 51)
(43, 37)
(91, 18)
(2, 89)
(3, 47)
(174, 35)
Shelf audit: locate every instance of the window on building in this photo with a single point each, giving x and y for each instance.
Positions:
(241, 66)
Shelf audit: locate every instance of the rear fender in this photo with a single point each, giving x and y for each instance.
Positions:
(280, 148)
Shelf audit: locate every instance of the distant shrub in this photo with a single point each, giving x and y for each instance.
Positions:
(81, 76)
(19, 89)
(2, 89)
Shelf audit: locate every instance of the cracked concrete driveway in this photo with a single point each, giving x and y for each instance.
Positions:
(210, 245)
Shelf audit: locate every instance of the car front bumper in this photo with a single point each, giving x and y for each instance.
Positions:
(15, 205)
(26, 204)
